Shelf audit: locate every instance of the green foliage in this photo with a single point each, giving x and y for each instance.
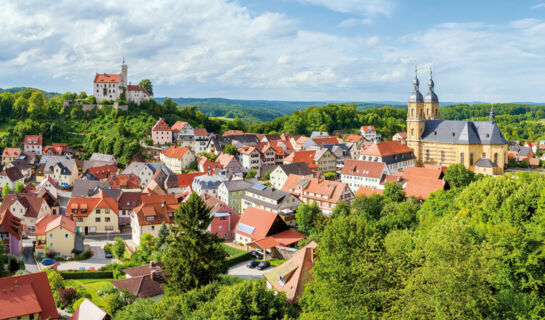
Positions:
(19, 187)
(56, 281)
(267, 175)
(141, 309)
(230, 149)
(162, 235)
(342, 209)
(146, 84)
(15, 263)
(330, 175)
(251, 174)
(458, 176)
(194, 257)
(393, 192)
(6, 190)
(116, 301)
(118, 248)
(88, 274)
(309, 218)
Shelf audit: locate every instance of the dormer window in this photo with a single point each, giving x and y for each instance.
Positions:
(151, 218)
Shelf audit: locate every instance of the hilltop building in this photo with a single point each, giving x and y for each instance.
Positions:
(110, 86)
(447, 142)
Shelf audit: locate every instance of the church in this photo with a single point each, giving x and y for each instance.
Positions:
(478, 145)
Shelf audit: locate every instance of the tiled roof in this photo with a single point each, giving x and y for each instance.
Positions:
(386, 148)
(237, 185)
(102, 157)
(425, 172)
(175, 152)
(161, 125)
(11, 223)
(368, 128)
(99, 201)
(232, 132)
(124, 181)
(33, 140)
(129, 200)
(132, 87)
(25, 294)
(143, 270)
(283, 238)
(326, 140)
(87, 310)
(247, 150)
(141, 287)
(11, 153)
(50, 222)
(225, 159)
(200, 131)
(106, 78)
(30, 201)
(298, 168)
(103, 172)
(353, 138)
(366, 191)
(178, 126)
(302, 156)
(292, 276)
(13, 173)
(315, 189)
(260, 223)
(422, 187)
(363, 168)
(186, 179)
(158, 207)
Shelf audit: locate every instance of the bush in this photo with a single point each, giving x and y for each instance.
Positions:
(83, 256)
(106, 290)
(14, 263)
(67, 296)
(238, 259)
(108, 248)
(50, 253)
(86, 274)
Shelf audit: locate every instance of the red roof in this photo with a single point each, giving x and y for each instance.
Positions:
(366, 191)
(132, 87)
(124, 181)
(368, 128)
(155, 209)
(186, 179)
(103, 172)
(424, 172)
(353, 138)
(175, 152)
(363, 168)
(161, 125)
(106, 78)
(207, 165)
(317, 189)
(233, 133)
(200, 131)
(100, 200)
(302, 156)
(421, 188)
(33, 140)
(48, 223)
(402, 134)
(246, 150)
(326, 140)
(386, 148)
(11, 152)
(26, 294)
(178, 125)
(261, 220)
(11, 223)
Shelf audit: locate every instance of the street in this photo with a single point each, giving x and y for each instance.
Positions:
(63, 197)
(30, 263)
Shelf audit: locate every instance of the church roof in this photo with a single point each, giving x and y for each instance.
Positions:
(463, 132)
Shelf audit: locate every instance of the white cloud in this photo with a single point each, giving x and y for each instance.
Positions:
(359, 7)
(354, 22)
(219, 48)
(539, 6)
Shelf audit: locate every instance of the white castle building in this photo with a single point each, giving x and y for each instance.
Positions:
(110, 86)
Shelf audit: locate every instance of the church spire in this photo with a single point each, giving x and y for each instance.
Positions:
(492, 114)
(416, 83)
(416, 96)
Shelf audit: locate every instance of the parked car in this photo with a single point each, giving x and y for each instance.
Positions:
(252, 264)
(256, 254)
(65, 186)
(109, 255)
(263, 265)
(48, 261)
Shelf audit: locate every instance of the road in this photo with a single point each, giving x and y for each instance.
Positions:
(240, 270)
(64, 197)
(30, 263)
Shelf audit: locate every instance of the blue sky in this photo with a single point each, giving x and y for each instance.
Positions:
(349, 50)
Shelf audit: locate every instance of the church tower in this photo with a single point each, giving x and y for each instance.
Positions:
(431, 102)
(416, 120)
(123, 75)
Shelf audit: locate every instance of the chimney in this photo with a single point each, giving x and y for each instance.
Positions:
(151, 264)
(163, 204)
(153, 275)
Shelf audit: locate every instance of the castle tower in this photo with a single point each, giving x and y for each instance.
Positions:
(123, 75)
(416, 122)
(431, 102)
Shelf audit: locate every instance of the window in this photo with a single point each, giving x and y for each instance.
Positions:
(107, 211)
(66, 235)
(79, 219)
(412, 132)
(107, 219)
(427, 154)
(97, 219)
(442, 156)
(471, 159)
(109, 228)
(50, 235)
(151, 218)
(152, 228)
(98, 211)
(83, 210)
(74, 210)
(495, 158)
(412, 112)
(462, 158)
(483, 155)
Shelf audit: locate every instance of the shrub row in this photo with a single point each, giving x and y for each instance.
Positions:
(238, 259)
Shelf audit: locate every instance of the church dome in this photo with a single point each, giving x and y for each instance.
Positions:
(431, 96)
(416, 96)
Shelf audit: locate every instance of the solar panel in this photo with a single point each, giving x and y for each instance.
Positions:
(245, 228)
(259, 187)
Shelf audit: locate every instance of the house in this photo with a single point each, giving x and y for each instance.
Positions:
(87, 310)
(161, 133)
(206, 165)
(280, 174)
(207, 184)
(27, 296)
(28, 207)
(142, 170)
(533, 162)
(521, 153)
(127, 182)
(126, 204)
(359, 173)
(317, 134)
(151, 213)
(177, 159)
(11, 177)
(50, 185)
(103, 157)
(397, 156)
(143, 282)
(320, 141)
(58, 149)
(229, 162)
(326, 194)
(56, 233)
(11, 232)
(224, 218)
(101, 173)
(401, 137)
(306, 156)
(257, 224)
(137, 94)
(267, 154)
(270, 199)
(369, 133)
(250, 158)
(185, 180)
(63, 170)
(292, 276)
(88, 188)
(96, 214)
(25, 163)
(326, 160)
(230, 192)
(9, 155)
(33, 143)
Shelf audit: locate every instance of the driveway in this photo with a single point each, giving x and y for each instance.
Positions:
(240, 270)
(64, 197)
(97, 260)
(30, 263)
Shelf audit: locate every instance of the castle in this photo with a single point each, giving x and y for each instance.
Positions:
(478, 145)
(109, 86)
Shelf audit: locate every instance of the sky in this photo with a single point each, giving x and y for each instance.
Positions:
(318, 50)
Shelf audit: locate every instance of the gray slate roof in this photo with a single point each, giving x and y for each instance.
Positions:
(237, 185)
(463, 132)
(483, 162)
(298, 168)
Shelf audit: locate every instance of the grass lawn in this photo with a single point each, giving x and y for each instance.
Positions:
(91, 286)
(232, 252)
(276, 262)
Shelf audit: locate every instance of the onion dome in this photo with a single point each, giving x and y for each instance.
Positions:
(431, 96)
(416, 96)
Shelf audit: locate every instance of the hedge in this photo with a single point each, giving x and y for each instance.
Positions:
(87, 274)
(238, 259)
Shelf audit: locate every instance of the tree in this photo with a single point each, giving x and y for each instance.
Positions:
(13, 263)
(393, 192)
(56, 281)
(67, 296)
(118, 248)
(5, 191)
(230, 149)
(141, 309)
(307, 217)
(162, 235)
(116, 301)
(250, 300)
(458, 176)
(251, 174)
(19, 187)
(342, 209)
(146, 84)
(194, 257)
(267, 175)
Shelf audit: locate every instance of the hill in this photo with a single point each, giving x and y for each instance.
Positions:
(48, 95)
